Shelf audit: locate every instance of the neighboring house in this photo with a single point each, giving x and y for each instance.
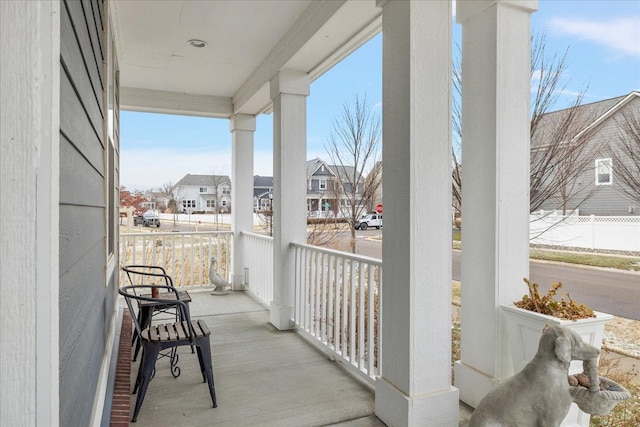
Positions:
(262, 188)
(203, 193)
(328, 187)
(156, 200)
(149, 205)
(596, 190)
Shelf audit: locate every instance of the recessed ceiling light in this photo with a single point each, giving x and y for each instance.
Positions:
(197, 43)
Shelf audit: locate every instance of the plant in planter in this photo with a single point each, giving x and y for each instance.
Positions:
(547, 304)
(527, 318)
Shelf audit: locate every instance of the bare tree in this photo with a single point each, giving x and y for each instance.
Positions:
(626, 153)
(169, 191)
(353, 148)
(323, 232)
(221, 185)
(456, 152)
(559, 150)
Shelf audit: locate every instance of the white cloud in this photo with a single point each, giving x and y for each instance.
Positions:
(619, 34)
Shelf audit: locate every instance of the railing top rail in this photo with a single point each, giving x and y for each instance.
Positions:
(348, 255)
(179, 233)
(255, 235)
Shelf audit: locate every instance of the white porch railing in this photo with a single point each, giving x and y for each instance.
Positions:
(185, 256)
(337, 305)
(258, 273)
(336, 293)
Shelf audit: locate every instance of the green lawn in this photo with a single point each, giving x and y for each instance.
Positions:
(594, 260)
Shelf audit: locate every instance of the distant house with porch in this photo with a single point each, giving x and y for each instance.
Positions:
(596, 190)
(262, 188)
(328, 187)
(206, 193)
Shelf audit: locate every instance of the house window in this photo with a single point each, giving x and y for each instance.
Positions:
(211, 203)
(604, 171)
(322, 184)
(203, 190)
(224, 203)
(226, 190)
(188, 203)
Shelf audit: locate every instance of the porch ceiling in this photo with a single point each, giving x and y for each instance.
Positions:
(248, 43)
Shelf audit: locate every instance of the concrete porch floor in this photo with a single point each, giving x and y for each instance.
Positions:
(263, 377)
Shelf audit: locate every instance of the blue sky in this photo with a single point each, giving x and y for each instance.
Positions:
(603, 38)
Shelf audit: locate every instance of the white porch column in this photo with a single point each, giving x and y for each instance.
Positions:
(29, 213)
(289, 91)
(242, 128)
(415, 386)
(495, 129)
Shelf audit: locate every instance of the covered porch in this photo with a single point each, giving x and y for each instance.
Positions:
(82, 62)
(403, 345)
(263, 376)
(411, 333)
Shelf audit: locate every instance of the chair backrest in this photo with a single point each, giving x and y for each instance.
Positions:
(137, 293)
(147, 275)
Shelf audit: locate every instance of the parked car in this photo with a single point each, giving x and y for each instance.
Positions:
(369, 220)
(147, 219)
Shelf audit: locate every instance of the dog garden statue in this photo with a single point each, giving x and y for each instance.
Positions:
(539, 394)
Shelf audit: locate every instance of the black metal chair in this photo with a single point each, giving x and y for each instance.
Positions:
(157, 337)
(153, 275)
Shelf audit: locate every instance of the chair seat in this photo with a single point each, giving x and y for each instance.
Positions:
(177, 331)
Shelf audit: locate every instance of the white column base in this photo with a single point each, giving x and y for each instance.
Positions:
(237, 282)
(473, 384)
(281, 316)
(395, 408)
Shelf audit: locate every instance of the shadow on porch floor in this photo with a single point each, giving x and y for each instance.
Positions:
(263, 377)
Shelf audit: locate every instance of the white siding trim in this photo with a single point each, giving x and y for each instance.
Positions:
(103, 379)
(48, 221)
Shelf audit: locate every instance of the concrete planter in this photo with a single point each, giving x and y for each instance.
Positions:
(524, 332)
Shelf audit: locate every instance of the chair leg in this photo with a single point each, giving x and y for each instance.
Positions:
(202, 370)
(147, 365)
(144, 320)
(137, 350)
(204, 355)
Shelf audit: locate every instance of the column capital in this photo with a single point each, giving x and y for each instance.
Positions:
(467, 9)
(293, 82)
(242, 122)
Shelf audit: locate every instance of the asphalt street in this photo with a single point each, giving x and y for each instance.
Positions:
(608, 290)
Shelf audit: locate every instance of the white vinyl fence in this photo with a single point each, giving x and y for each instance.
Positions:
(591, 232)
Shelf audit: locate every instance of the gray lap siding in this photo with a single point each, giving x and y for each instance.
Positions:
(85, 302)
